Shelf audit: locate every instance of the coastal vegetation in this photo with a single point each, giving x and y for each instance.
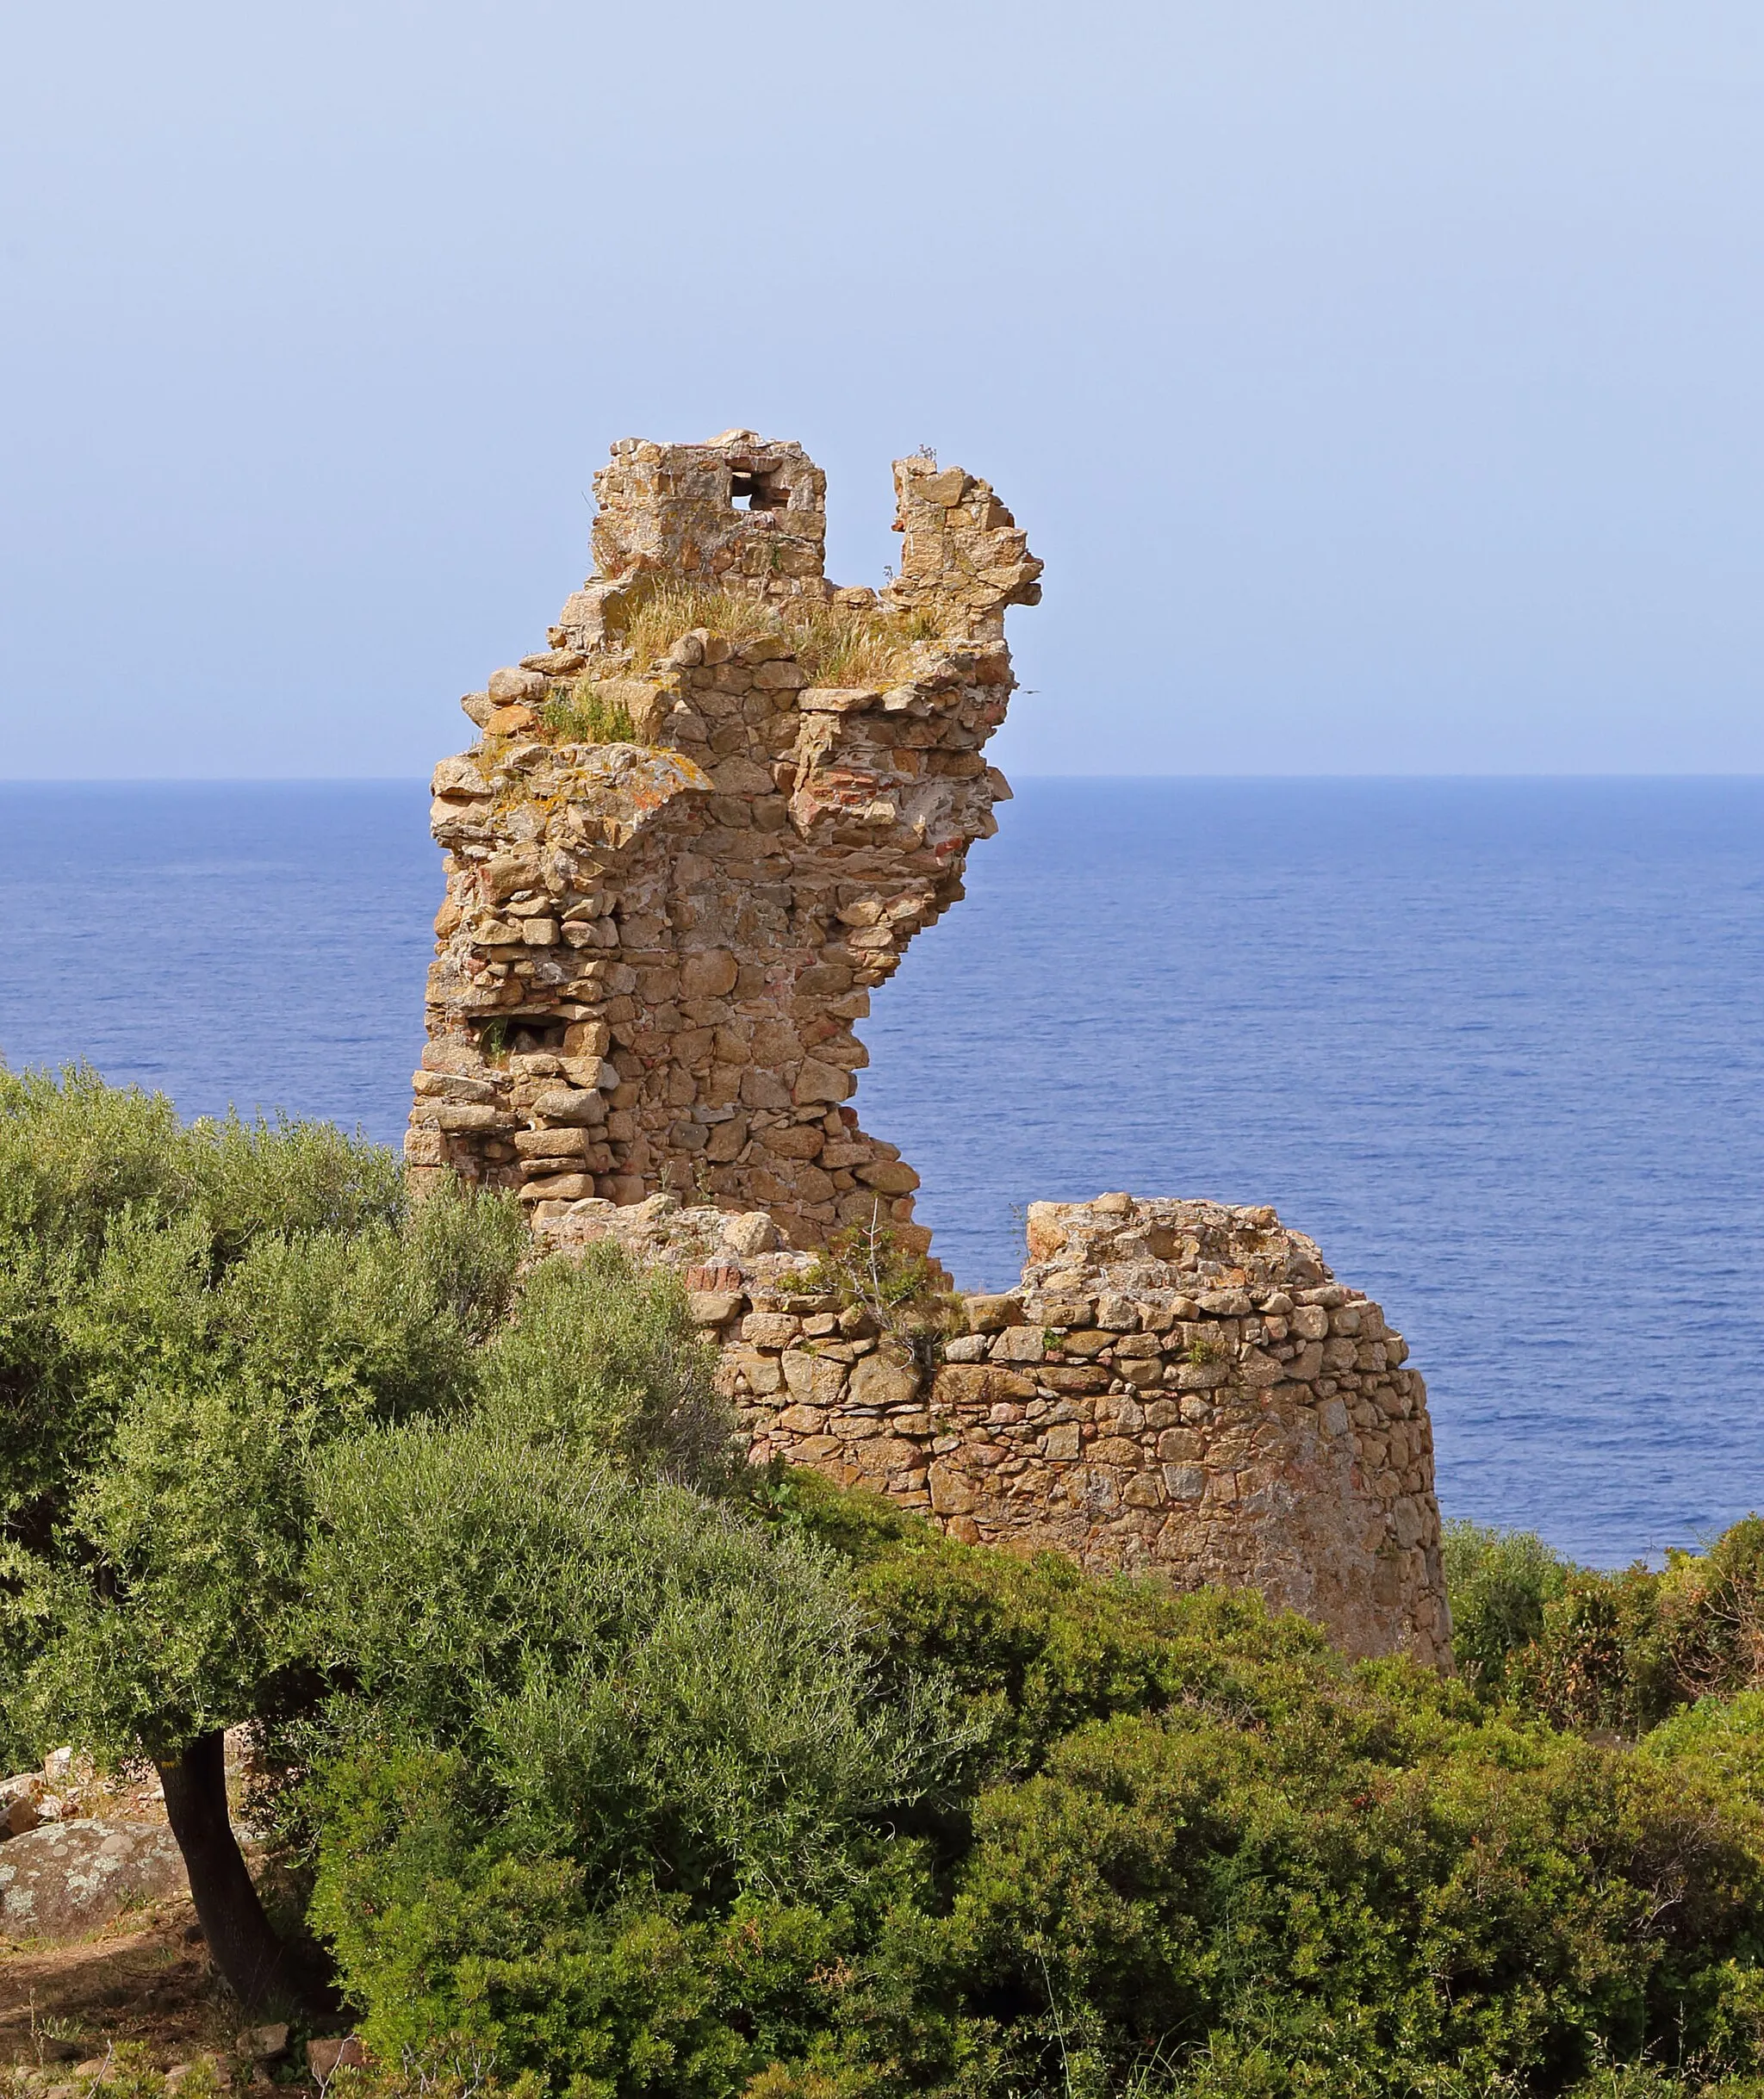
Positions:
(604, 1765)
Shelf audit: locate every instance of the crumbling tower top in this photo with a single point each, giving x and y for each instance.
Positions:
(747, 515)
(699, 828)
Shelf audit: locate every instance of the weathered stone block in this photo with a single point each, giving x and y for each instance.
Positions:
(1179, 1446)
(558, 1188)
(952, 1493)
(1074, 1378)
(552, 1143)
(711, 974)
(979, 1385)
(889, 1177)
(770, 1329)
(816, 1378)
(507, 687)
(822, 1082)
(877, 1382)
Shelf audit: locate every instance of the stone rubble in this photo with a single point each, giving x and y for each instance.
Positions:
(649, 962)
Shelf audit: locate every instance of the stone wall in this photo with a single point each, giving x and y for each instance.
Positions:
(650, 964)
(1174, 1386)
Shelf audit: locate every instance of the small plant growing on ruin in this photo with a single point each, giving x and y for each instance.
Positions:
(848, 645)
(837, 644)
(586, 715)
(867, 1268)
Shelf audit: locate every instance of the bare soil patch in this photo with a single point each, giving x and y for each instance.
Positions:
(147, 1979)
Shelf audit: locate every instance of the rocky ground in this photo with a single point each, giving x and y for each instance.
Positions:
(144, 1977)
(100, 1948)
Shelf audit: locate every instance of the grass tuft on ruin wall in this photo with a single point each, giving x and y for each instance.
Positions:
(837, 644)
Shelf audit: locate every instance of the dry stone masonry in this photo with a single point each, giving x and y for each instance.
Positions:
(695, 833)
(653, 951)
(1174, 1386)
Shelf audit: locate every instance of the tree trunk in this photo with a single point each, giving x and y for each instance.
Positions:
(255, 1963)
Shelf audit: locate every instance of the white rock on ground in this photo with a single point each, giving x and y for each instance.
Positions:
(71, 1878)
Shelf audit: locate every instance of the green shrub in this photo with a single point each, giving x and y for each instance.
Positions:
(1617, 1653)
(586, 715)
(866, 1267)
(1710, 1615)
(1498, 1583)
(1722, 1738)
(858, 1525)
(639, 1677)
(450, 1938)
(1034, 1649)
(76, 1153)
(1361, 1896)
(1608, 1653)
(1596, 1666)
(595, 1354)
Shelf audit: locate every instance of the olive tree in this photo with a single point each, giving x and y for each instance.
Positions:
(188, 1316)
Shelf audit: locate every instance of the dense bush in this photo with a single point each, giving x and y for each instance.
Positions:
(618, 1770)
(595, 1356)
(1188, 1848)
(1609, 1653)
(1724, 1737)
(1500, 1582)
(633, 1674)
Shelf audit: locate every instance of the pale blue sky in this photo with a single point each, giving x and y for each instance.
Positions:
(1380, 379)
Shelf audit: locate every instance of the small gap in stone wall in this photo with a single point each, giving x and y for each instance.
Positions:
(757, 491)
(502, 1035)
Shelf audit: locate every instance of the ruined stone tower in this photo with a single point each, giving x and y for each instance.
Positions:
(653, 949)
(695, 833)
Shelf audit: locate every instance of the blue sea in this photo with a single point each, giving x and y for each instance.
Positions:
(1498, 1046)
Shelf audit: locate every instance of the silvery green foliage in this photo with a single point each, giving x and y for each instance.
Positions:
(644, 1680)
(186, 1315)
